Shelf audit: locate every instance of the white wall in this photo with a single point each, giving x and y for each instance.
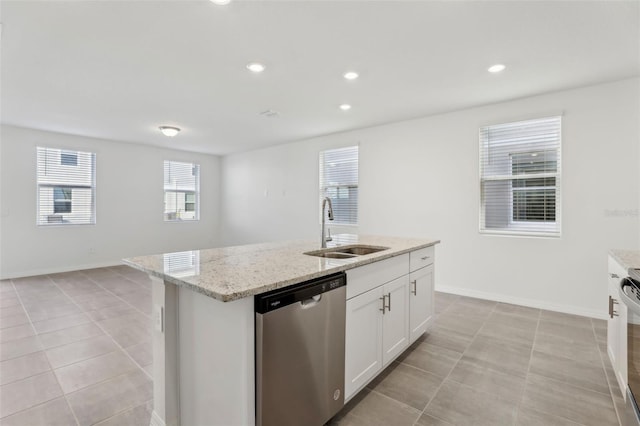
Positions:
(129, 206)
(420, 178)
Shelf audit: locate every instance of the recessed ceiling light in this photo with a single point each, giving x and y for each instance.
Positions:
(221, 2)
(496, 68)
(256, 67)
(169, 130)
(345, 107)
(351, 75)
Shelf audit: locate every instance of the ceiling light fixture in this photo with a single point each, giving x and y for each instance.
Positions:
(169, 130)
(255, 67)
(221, 2)
(351, 75)
(496, 68)
(345, 107)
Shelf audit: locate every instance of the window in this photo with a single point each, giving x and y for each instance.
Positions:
(181, 191)
(66, 187)
(339, 182)
(520, 177)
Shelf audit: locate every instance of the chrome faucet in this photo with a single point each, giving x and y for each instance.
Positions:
(323, 238)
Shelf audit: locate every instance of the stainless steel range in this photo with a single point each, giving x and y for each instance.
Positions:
(630, 294)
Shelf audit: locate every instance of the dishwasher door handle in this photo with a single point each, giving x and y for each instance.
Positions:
(311, 302)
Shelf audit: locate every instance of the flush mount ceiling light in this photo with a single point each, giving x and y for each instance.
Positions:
(220, 2)
(350, 75)
(169, 130)
(345, 107)
(255, 67)
(496, 68)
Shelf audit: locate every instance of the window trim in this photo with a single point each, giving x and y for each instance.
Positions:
(553, 230)
(195, 191)
(322, 188)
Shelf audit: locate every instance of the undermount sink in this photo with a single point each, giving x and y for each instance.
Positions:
(346, 252)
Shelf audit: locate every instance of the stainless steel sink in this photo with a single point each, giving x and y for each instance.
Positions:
(346, 252)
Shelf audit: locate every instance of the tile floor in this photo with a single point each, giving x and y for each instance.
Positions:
(75, 349)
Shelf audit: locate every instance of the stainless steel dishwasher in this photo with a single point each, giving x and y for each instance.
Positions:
(300, 353)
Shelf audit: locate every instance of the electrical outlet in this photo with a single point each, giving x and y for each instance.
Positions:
(158, 315)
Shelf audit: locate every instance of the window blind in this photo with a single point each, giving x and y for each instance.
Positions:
(66, 187)
(520, 177)
(181, 191)
(339, 182)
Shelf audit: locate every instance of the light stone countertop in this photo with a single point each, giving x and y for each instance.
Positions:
(627, 258)
(230, 273)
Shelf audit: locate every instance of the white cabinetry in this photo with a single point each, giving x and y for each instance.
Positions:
(377, 320)
(421, 306)
(617, 325)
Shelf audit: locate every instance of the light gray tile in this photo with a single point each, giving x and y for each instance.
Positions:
(97, 302)
(579, 350)
(569, 402)
(372, 408)
(507, 331)
(137, 416)
(465, 308)
(26, 393)
(484, 377)
(523, 311)
(121, 322)
(91, 371)
(466, 325)
(626, 413)
(583, 374)
(69, 335)
(79, 351)
(14, 320)
(566, 319)
(60, 323)
(529, 417)
(569, 332)
(14, 333)
(43, 312)
(427, 420)
(103, 400)
(142, 353)
(53, 413)
(113, 311)
(499, 355)
(461, 405)
(448, 339)
(6, 302)
(17, 348)
(430, 358)
(25, 366)
(11, 311)
(407, 384)
(131, 335)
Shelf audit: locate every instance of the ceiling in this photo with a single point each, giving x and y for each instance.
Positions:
(119, 69)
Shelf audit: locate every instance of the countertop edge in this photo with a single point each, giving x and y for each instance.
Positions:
(626, 258)
(231, 296)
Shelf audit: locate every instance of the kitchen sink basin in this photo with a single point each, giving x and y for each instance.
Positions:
(346, 252)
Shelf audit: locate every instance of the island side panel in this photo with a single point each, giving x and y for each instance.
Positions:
(217, 360)
(165, 354)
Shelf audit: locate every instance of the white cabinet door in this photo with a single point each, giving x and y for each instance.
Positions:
(617, 326)
(421, 306)
(395, 322)
(363, 340)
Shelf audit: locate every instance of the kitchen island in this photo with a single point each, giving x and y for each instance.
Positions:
(204, 320)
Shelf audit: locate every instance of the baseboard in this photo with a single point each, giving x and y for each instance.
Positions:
(156, 420)
(57, 270)
(532, 303)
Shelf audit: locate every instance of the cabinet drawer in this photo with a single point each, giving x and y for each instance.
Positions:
(367, 277)
(421, 258)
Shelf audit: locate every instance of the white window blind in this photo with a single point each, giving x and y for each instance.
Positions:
(339, 182)
(520, 177)
(181, 191)
(66, 187)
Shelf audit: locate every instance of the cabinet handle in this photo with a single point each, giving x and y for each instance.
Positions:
(389, 305)
(383, 304)
(614, 275)
(424, 258)
(612, 312)
(415, 287)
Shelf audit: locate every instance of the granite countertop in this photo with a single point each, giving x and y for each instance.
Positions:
(627, 258)
(230, 273)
